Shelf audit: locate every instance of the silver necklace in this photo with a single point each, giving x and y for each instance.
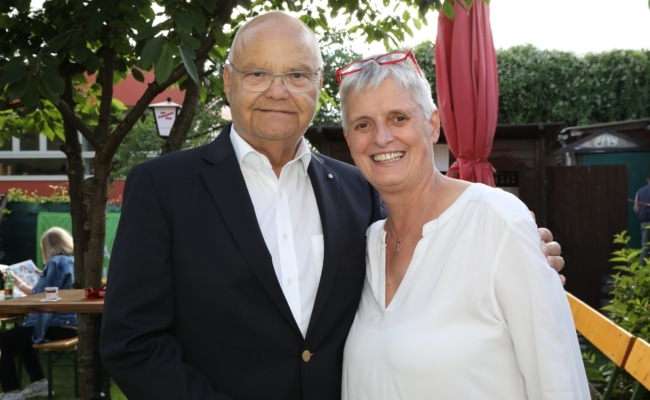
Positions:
(398, 242)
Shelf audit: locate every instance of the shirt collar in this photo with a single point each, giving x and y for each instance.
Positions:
(243, 149)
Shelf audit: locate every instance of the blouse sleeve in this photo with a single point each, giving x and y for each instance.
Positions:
(534, 306)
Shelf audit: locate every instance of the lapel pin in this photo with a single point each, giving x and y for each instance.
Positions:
(330, 176)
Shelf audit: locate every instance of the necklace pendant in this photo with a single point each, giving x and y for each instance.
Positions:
(399, 242)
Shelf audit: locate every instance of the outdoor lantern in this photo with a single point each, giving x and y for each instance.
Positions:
(165, 114)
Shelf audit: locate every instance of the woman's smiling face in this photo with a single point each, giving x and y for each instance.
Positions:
(390, 138)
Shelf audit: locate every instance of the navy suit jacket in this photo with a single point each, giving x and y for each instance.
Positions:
(193, 308)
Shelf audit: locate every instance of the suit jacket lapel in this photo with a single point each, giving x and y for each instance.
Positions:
(326, 189)
(225, 182)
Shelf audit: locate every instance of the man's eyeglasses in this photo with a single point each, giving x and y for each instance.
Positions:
(384, 59)
(259, 80)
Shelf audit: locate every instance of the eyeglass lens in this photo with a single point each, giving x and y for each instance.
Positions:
(260, 80)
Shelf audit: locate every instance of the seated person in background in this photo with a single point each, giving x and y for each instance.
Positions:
(458, 301)
(57, 249)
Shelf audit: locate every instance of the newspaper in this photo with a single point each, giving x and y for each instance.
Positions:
(26, 271)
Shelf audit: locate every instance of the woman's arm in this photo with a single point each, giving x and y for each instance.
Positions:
(535, 309)
(20, 284)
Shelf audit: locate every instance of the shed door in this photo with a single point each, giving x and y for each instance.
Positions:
(586, 206)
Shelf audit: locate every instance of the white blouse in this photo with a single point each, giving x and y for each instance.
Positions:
(478, 315)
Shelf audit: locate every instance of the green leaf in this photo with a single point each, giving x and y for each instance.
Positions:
(165, 64)
(208, 4)
(49, 128)
(246, 4)
(17, 90)
(147, 32)
(79, 50)
(189, 41)
(187, 55)
(46, 90)
(291, 5)
(58, 42)
(448, 9)
(197, 18)
(95, 21)
(53, 82)
(137, 74)
(5, 21)
(151, 52)
(118, 105)
(22, 5)
(148, 13)
(31, 98)
(122, 46)
(92, 63)
(183, 22)
(13, 72)
(135, 21)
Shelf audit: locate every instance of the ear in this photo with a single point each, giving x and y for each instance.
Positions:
(347, 139)
(226, 82)
(435, 126)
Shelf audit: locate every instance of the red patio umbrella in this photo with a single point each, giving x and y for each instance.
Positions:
(468, 94)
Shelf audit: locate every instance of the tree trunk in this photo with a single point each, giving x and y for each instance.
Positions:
(88, 198)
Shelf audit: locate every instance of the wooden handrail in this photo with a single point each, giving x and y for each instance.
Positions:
(638, 362)
(612, 340)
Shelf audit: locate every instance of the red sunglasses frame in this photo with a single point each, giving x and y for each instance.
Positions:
(384, 59)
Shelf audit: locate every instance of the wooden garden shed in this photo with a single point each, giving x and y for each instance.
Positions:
(592, 181)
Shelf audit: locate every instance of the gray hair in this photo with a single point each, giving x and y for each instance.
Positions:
(372, 74)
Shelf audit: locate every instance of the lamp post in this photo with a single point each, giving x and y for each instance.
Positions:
(165, 114)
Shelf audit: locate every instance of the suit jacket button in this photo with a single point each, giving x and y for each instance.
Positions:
(306, 356)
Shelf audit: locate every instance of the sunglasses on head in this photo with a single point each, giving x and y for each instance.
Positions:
(384, 59)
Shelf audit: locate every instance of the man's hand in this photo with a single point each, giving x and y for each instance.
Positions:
(552, 251)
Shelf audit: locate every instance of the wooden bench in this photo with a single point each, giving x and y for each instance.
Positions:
(55, 349)
(5, 321)
(612, 340)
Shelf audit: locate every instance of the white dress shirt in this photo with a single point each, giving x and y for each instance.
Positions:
(288, 216)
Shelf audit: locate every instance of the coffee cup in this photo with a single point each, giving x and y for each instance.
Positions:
(51, 293)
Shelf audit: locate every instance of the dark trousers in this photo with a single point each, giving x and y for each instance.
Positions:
(19, 340)
(645, 239)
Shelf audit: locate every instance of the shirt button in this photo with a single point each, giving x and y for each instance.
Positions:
(289, 281)
(306, 356)
(285, 236)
